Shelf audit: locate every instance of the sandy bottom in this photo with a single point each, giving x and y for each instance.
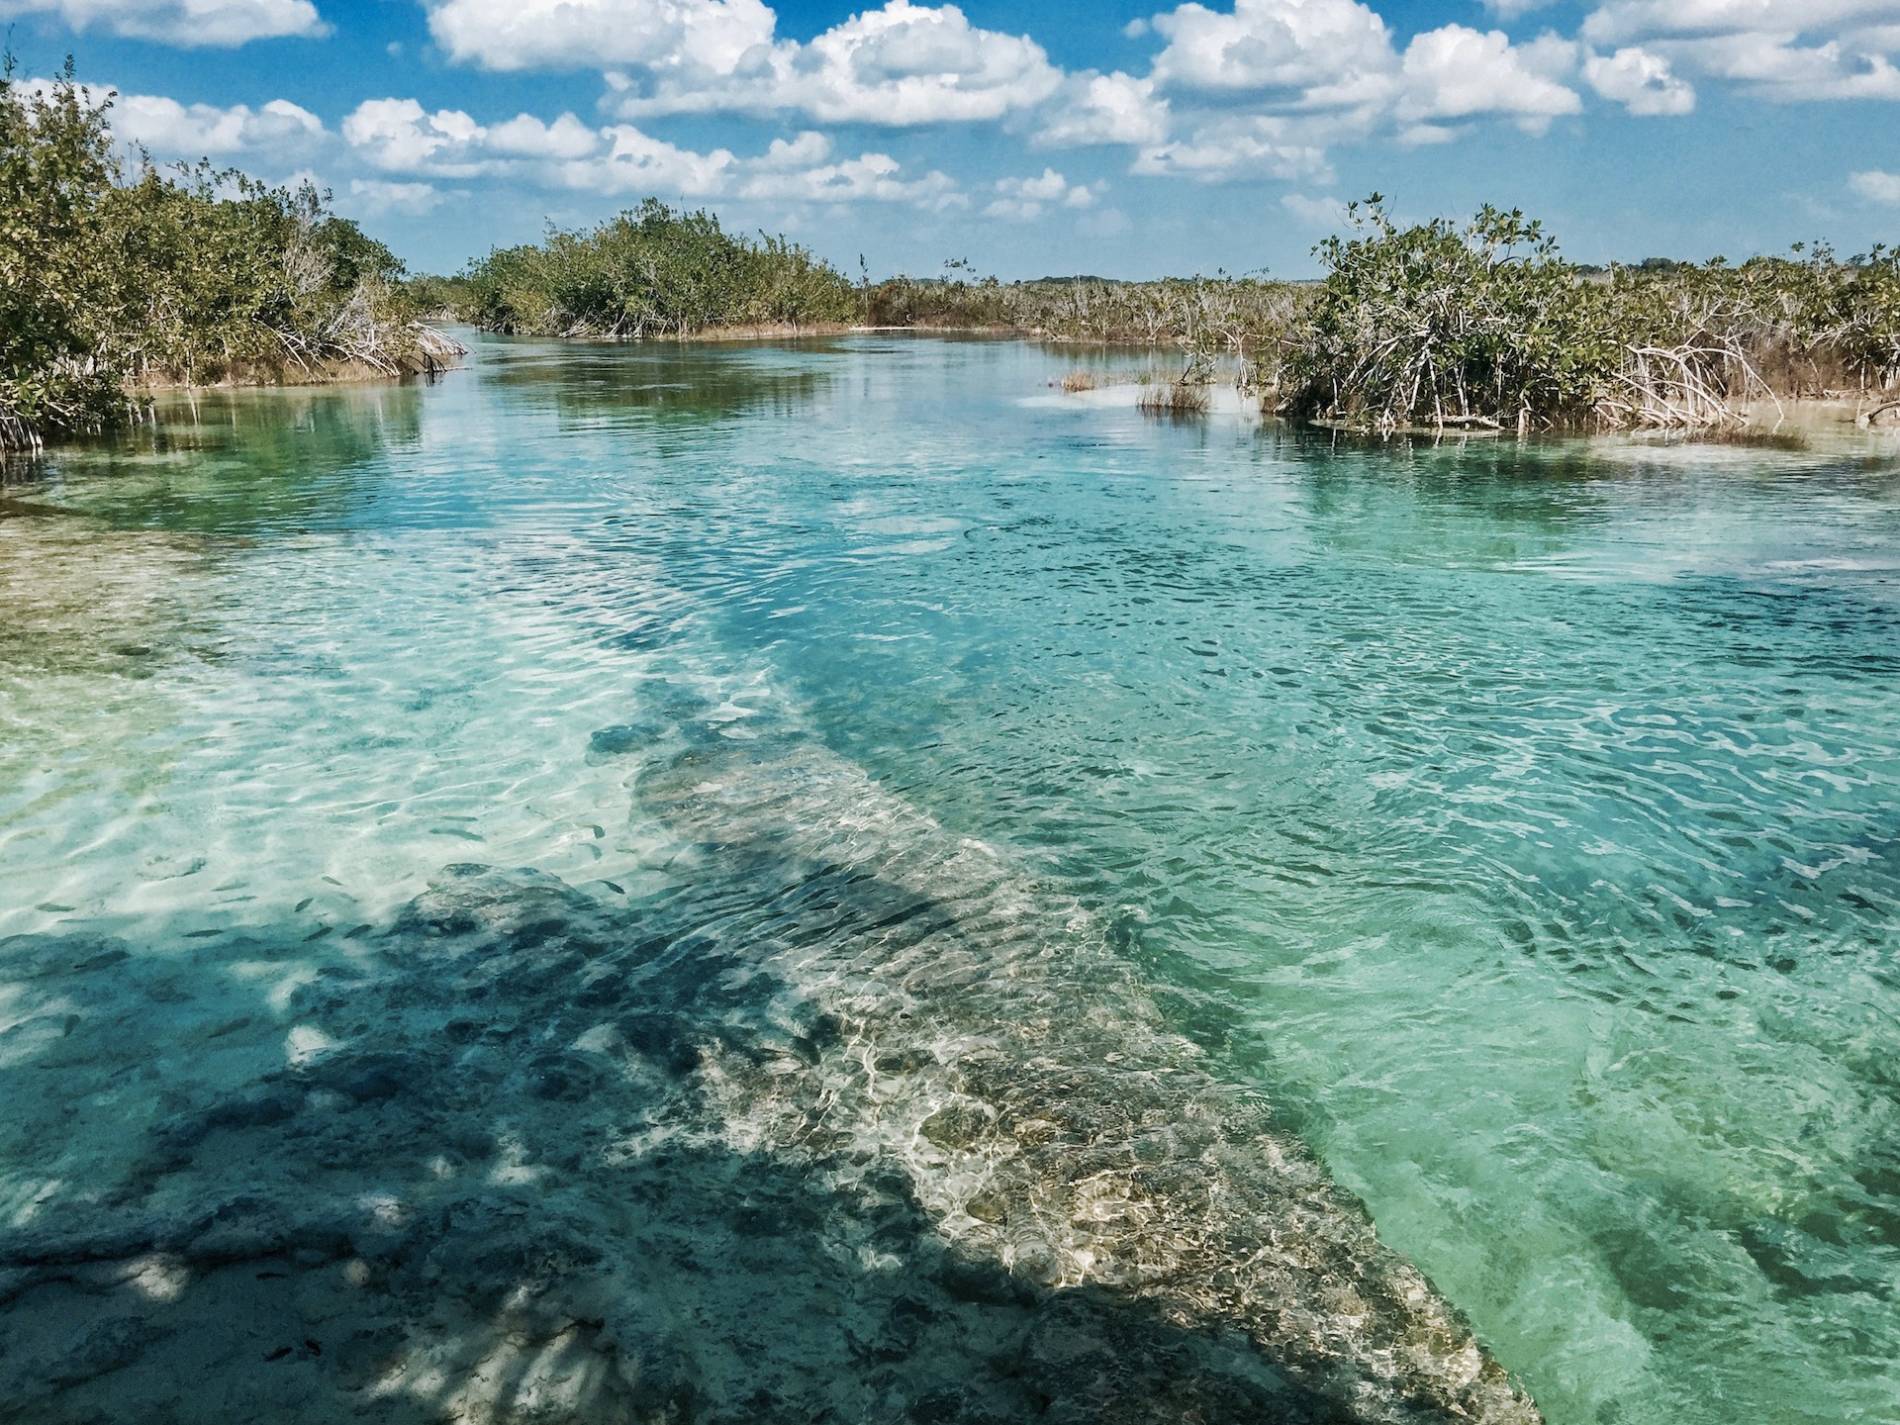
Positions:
(853, 1124)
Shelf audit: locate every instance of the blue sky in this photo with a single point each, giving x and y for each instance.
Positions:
(1110, 137)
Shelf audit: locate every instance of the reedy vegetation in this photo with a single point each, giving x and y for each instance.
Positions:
(1486, 325)
(1436, 324)
(113, 278)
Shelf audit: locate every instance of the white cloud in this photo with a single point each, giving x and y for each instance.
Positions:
(1270, 44)
(804, 151)
(399, 136)
(1771, 67)
(1328, 213)
(1240, 146)
(1785, 51)
(190, 23)
(637, 164)
(279, 129)
(1635, 19)
(1640, 81)
(713, 37)
(622, 160)
(1455, 73)
(1026, 199)
(1877, 187)
(1096, 108)
(525, 136)
(1429, 135)
(1294, 59)
(375, 197)
(900, 65)
(870, 177)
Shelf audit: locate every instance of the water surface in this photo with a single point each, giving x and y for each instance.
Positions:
(1520, 824)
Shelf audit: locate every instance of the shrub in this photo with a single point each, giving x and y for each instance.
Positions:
(109, 279)
(1487, 325)
(654, 271)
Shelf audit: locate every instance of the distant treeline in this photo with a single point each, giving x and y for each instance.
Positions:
(114, 277)
(1437, 324)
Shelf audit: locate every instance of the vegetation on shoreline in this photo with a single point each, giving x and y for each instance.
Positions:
(1437, 325)
(116, 277)
(1486, 326)
(651, 272)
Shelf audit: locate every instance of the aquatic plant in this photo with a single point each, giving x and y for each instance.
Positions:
(1176, 398)
(113, 279)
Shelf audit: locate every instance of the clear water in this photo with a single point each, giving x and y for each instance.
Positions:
(1522, 822)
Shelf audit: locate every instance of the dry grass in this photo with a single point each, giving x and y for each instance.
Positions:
(1175, 398)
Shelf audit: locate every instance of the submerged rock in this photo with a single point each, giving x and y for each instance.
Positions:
(621, 740)
(1049, 1119)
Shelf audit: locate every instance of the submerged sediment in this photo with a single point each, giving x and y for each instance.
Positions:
(857, 1122)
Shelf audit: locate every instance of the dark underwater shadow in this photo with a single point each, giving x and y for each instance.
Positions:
(549, 1159)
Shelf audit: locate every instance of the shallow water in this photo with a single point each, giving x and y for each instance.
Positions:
(1516, 827)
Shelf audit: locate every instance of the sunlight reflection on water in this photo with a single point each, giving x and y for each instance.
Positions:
(1518, 820)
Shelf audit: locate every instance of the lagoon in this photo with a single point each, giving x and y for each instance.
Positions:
(650, 817)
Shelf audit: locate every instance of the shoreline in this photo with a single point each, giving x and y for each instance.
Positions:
(1794, 417)
(435, 355)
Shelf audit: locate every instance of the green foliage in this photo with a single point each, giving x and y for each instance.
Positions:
(433, 296)
(55, 166)
(655, 271)
(110, 279)
(1198, 314)
(1487, 325)
(1436, 323)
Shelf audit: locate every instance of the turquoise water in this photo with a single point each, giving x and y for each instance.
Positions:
(1521, 823)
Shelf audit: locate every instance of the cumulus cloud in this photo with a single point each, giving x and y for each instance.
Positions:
(1770, 66)
(1094, 108)
(1270, 44)
(1287, 58)
(1642, 82)
(1634, 19)
(623, 160)
(1784, 51)
(525, 136)
(870, 177)
(635, 164)
(1456, 72)
(1240, 146)
(375, 197)
(1026, 199)
(1315, 212)
(900, 65)
(712, 37)
(279, 129)
(189, 23)
(803, 151)
(1877, 187)
(400, 136)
